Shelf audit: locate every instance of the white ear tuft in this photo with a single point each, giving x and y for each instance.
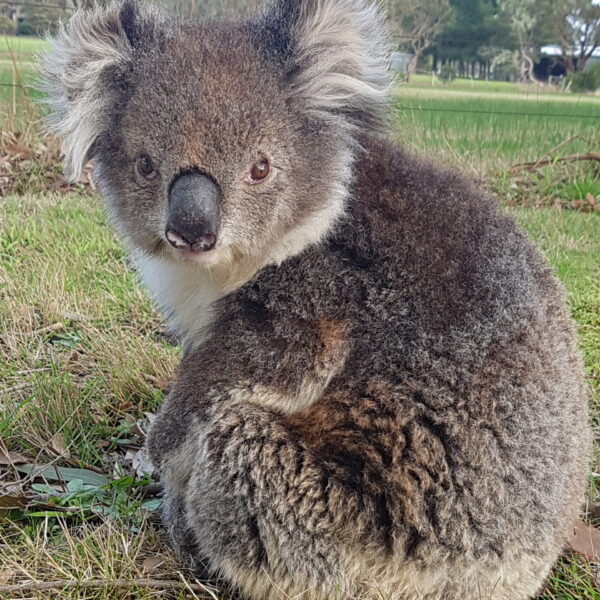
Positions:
(337, 56)
(80, 101)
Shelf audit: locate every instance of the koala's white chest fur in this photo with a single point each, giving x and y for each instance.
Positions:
(183, 292)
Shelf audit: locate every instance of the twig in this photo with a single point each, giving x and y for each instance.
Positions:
(558, 147)
(81, 465)
(64, 584)
(31, 371)
(15, 388)
(530, 166)
(48, 329)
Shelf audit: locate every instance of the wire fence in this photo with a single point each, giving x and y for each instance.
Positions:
(407, 108)
(400, 107)
(500, 112)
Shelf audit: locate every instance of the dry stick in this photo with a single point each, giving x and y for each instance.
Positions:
(64, 584)
(31, 371)
(15, 388)
(49, 329)
(594, 156)
(14, 90)
(558, 147)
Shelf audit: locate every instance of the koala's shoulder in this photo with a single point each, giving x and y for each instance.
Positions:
(427, 239)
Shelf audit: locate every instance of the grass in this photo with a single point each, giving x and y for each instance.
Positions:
(84, 285)
(571, 242)
(426, 82)
(61, 264)
(17, 66)
(83, 360)
(81, 384)
(26, 47)
(494, 132)
(485, 133)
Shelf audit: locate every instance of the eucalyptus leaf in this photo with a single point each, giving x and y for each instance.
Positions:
(152, 505)
(67, 474)
(46, 514)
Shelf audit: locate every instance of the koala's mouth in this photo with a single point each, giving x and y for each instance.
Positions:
(191, 254)
(200, 242)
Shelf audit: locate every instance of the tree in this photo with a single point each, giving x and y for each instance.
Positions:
(417, 23)
(575, 26)
(476, 35)
(524, 19)
(7, 25)
(39, 18)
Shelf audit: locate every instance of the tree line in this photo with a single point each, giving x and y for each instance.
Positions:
(476, 38)
(481, 37)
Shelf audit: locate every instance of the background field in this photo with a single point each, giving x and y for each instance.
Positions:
(84, 362)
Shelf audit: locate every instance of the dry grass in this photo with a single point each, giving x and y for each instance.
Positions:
(102, 551)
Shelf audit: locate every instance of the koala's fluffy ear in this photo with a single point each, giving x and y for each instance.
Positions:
(335, 55)
(84, 69)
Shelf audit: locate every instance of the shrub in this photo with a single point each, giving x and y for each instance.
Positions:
(586, 81)
(447, 73)
(38, 20)
(7, 26)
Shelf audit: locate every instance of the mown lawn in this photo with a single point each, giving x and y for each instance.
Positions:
(488, 132)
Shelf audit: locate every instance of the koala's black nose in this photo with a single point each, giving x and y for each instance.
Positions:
(194, 212)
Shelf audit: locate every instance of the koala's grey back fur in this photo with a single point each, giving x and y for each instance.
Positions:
(381, 394)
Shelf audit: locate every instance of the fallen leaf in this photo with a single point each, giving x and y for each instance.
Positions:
(141, 463)
(594, 510)
(11, 458)
(13, 502)
(152, 505)
(52, 473)
(58, 446)
(136, 428)
(152, 563)
(586, 541)
(5, 576)
(18, 150)
(130, 455)
(71, 316)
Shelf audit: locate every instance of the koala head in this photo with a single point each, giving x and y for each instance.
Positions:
(219, 143)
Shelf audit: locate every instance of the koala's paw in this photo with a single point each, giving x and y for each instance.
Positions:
(181, 537)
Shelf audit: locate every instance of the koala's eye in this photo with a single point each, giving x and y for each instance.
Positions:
(260, 171)
(145, 166)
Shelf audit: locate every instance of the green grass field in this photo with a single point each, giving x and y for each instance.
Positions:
(83, 359)
(17, 66)
(491, 131)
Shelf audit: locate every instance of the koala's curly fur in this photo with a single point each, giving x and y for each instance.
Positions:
(381, 394)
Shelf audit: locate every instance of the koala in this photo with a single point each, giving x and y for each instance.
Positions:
(380, 394)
